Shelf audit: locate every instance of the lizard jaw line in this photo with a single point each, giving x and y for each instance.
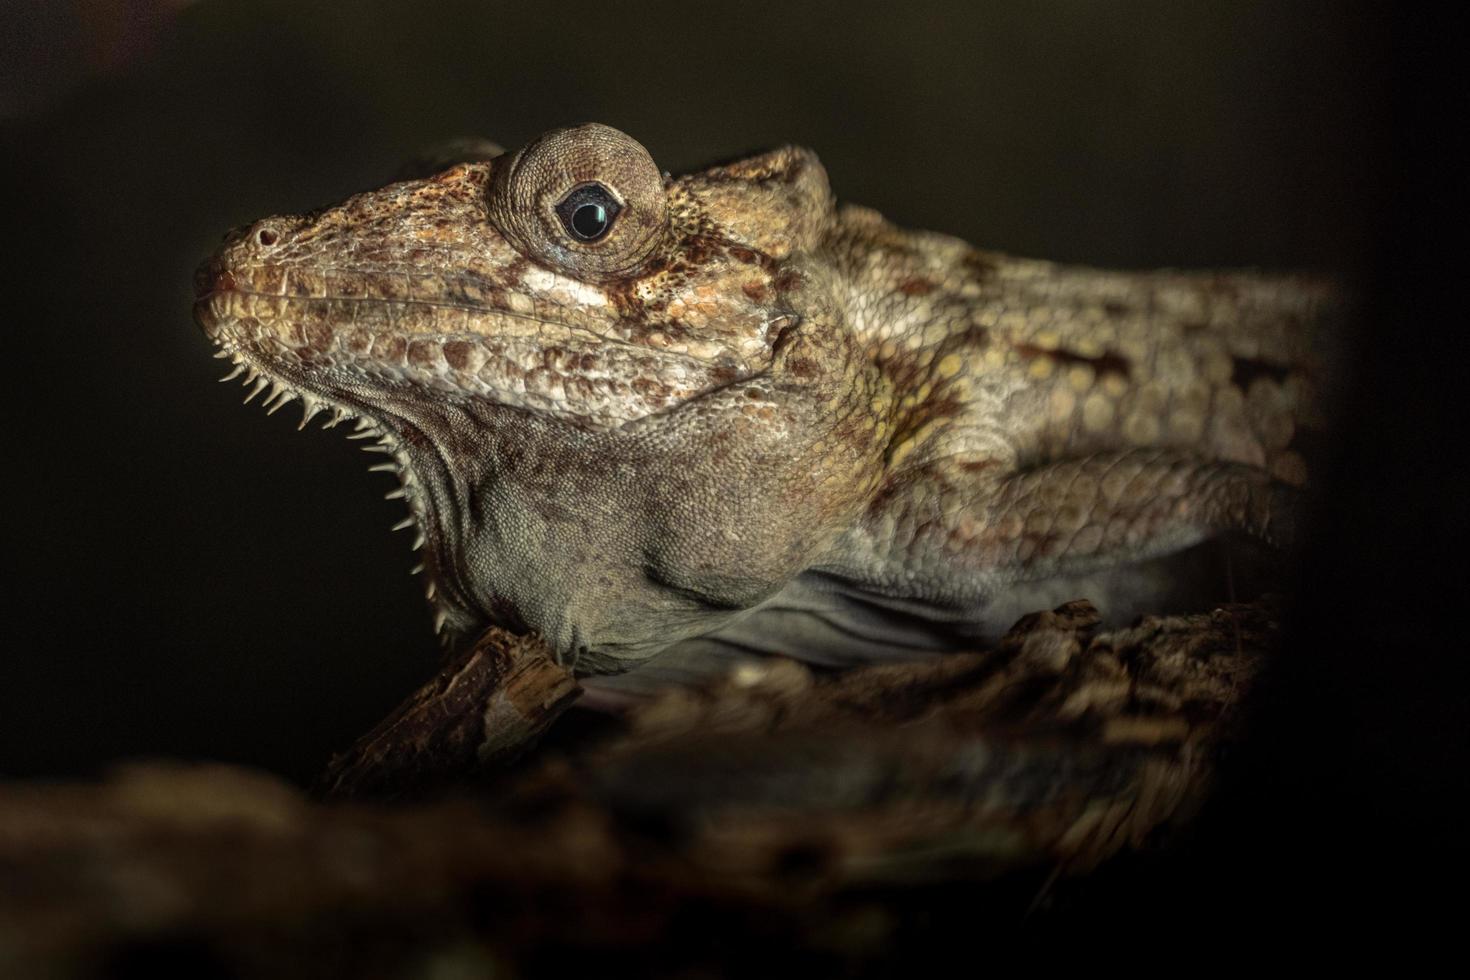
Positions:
(258, 375)
(518, 357)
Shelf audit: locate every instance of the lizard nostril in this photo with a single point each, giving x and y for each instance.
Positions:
(267, 237)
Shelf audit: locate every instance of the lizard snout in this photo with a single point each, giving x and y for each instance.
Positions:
(211, 280)
(212, 277)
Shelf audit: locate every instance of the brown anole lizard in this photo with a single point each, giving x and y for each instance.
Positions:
(630, 410)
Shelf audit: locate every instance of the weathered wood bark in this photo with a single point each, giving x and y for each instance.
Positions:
(775, 809)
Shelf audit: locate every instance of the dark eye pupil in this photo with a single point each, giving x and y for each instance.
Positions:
(587, 213)
(589, 220)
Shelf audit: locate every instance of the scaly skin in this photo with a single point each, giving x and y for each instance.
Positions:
(742, 396)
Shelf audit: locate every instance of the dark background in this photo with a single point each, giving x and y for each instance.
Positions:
(189, 578)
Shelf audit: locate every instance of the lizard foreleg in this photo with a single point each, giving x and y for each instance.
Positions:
(969, 531)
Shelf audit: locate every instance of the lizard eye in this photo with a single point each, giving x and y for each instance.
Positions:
(588, 212)
(587, 201)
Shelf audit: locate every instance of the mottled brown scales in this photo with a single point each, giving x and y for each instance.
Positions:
(652, 413)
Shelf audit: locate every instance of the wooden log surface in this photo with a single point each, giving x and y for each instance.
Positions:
(771, 807)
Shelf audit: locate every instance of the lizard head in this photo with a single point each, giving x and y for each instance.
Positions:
(571, 278)
(612, 395)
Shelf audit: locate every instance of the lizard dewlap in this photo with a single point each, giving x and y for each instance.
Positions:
(641, 414)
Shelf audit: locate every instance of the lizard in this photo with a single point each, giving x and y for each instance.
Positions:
(637, 413)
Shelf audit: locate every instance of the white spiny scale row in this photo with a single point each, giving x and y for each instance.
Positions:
(408, 489)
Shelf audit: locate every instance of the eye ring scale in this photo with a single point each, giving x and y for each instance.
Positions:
(587, 201)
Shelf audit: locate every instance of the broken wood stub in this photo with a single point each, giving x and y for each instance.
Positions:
(482, 711)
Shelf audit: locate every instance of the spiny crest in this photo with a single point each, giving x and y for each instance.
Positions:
(383, 442)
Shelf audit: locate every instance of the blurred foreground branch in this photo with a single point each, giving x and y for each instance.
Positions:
(772, 809)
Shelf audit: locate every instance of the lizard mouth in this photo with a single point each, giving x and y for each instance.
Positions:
(425, 336)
